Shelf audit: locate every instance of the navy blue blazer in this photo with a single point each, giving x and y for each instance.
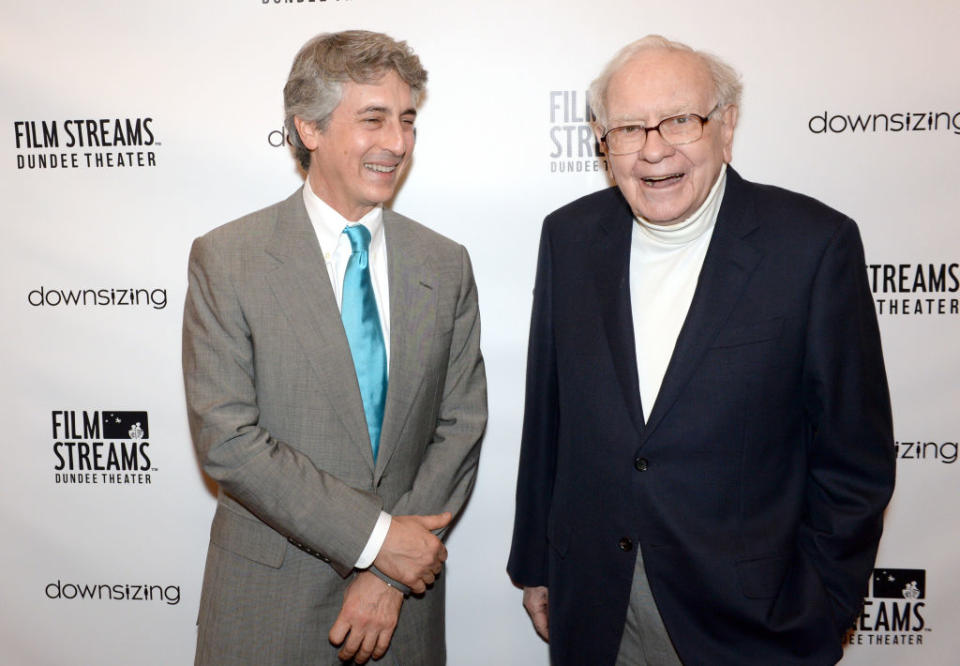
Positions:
(757, 487)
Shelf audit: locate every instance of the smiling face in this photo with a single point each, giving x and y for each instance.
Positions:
(665, 184)
(357, 160)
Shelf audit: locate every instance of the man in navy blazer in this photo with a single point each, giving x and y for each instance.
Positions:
(707, 442)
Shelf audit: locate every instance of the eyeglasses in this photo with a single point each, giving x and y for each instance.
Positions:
(675, 130)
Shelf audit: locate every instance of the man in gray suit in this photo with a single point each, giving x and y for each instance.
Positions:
(338, 454)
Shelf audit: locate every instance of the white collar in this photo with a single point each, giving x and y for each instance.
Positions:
(329, 224)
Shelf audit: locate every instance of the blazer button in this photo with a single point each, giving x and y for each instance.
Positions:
(641, 464)
(626, 545)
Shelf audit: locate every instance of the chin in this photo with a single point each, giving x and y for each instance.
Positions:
(661, 217)
(670, 214)
(379, 197)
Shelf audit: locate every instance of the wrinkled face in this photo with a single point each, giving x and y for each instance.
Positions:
(357, 160)
(665, 184)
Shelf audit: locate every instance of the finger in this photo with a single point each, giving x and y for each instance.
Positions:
(437, 521)
(428, 578)
(351, 646)
(540, 624)
(383, 642)
(417, 586)
(442, 555)
(338, 632)
(366, 648)
(539, 619)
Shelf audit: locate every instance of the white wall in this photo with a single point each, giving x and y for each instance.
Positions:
(208, 75)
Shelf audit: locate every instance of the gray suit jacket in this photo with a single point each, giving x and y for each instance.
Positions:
(278, 423)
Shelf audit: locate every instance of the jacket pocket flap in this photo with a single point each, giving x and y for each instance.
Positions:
(761, 578)
(247, 538)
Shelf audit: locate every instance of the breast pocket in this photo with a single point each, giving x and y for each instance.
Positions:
(748, 334)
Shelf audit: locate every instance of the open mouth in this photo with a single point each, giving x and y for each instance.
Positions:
(662, 181)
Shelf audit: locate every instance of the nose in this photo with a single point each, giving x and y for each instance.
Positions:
(394, 137)
(656, 148)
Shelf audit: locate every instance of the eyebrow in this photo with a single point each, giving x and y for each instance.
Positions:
(383, 109)
(633, 120)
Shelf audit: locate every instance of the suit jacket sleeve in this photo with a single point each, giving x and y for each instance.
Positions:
(270, 478)
(851, 463)
(449, 467)
(528, 555)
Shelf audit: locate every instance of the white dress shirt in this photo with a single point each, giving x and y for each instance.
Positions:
(665, 263)
(335, 245)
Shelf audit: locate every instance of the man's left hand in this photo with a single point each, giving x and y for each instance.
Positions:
(367, 618)
(535, 601)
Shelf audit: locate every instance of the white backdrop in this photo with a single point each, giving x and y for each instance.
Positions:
(109, 572)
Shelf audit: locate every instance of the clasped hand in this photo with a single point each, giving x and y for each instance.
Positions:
(411, 553)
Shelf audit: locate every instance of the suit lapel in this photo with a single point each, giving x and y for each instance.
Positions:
(302, 286)
(726, 270)
(611, 262)
(413, 317)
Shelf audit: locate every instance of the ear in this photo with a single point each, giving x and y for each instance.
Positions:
(598, 132)
(730, 116)
(308, 131)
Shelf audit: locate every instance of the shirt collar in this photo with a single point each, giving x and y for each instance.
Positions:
(329, 224)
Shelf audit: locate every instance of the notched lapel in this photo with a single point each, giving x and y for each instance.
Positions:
(413, 318)
(302, 286)
(612, 270)
(726, 270)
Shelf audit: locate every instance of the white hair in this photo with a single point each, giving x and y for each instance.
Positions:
(726, 80)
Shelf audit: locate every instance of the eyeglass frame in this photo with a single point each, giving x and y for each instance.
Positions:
(703, 121)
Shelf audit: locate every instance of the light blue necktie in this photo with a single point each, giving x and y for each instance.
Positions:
(361, 321)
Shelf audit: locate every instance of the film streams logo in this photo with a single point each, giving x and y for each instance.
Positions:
(101, 448)
(573, 146)
(895, 611)
(883, 123)
(915, 289)
(85, 143)
(45, 297)
(170, 594)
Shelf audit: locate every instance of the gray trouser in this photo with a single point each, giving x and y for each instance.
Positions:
(645, 641)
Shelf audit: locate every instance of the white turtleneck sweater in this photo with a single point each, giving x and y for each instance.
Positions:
(665, 263)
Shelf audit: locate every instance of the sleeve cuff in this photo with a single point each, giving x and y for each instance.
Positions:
(375, 542)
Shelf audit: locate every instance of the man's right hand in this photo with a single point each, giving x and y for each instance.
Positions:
(367, 618)
(535, 601)
(411, 553)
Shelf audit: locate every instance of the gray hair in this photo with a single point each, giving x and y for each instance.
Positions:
(315, 85)
(726, 80)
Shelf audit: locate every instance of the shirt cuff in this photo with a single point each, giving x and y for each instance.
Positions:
(375, 542)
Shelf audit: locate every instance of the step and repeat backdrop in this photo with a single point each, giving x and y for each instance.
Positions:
(129, 128)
